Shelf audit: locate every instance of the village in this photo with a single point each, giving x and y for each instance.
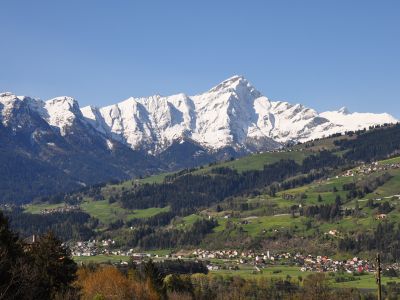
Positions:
(64, 209)
(231, 259)
(367, 169)
(305, 263)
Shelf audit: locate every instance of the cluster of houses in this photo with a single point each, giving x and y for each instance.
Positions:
(93, 248)
(7, 206)
(305, 262)
(232, 259)
(103, 247)
(366, 169)
(326, 264)
(87, 248)
(63, 209)
(242, 257)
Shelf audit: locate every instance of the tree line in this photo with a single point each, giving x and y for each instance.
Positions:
(190, 191)
(372, 145)
(75, 225)
(385, 238)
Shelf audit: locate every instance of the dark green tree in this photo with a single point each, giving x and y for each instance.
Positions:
(53, 269)
(10, 260)
(156, 279)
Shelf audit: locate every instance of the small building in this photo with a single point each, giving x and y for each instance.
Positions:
(381, 216)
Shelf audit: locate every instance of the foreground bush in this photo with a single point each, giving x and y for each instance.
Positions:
(108, 283)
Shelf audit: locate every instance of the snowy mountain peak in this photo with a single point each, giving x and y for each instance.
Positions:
(19, 113)
(60, 112)
(343, 110)
(6, 94)
(8, 101)
(237, 84)
(64, 103)
(231, 82)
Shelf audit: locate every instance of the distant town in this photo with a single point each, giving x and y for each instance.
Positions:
(232, 259)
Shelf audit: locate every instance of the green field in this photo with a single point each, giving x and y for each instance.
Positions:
(103, 210)
(366, 281)
(158, 178)
(101, 259)
(257, 161)
(321, 144)
(390, 188)
(108, 213)
(247, 271)
(394, 160)
(190, 219)
(38, 207)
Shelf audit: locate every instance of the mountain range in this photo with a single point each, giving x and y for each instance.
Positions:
(54, 145)
(231, 114)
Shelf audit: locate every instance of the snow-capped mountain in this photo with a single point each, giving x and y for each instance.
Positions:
(355, 121)
(51, 146)
(231, 114)
(48, 147)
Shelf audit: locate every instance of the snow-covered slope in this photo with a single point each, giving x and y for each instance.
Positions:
(232, 114)
(8, 102)
(59, 113)
(356, 121)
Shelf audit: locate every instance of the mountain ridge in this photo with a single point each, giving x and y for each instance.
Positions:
(231, 114)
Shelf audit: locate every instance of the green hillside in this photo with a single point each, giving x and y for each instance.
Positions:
(257, 161)
(280, 216)
(337, 197)
(264, 216)
(249, 162)
(255, 212)
(102, 210)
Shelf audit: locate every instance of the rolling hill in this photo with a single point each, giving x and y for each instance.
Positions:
(310, 197)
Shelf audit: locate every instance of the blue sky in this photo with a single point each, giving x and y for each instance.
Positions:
(324, 54)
